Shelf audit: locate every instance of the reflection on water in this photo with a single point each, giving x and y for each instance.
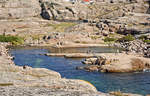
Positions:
(105, 82)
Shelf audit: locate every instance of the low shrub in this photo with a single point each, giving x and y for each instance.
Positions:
(146, 41)
(15, 40)
(143, 37)
(126, 38)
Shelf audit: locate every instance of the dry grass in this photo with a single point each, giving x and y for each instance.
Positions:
(61, 27)
(37, 36)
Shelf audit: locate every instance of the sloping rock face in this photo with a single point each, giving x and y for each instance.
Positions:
(19, 8)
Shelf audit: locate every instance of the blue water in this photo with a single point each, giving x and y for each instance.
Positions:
(105, 82)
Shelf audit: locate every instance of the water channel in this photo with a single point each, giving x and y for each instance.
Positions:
(126, 82)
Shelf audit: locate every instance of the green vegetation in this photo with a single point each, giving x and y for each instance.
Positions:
(123, 39)
(15, 40)
(146, 41)
(127, 38)
(143, 37)
(109, 39)
(61, 26)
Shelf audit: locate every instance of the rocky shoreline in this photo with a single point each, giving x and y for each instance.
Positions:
(25, 80)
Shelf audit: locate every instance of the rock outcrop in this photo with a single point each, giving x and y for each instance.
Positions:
(56, 10)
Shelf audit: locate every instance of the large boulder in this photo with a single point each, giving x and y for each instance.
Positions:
(57, 10)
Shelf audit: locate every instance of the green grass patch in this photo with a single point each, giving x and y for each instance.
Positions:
(62, 26)
(110, 39)
(143, 37)
(15, 40)
(146, 41)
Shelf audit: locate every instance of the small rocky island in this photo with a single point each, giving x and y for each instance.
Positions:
(117, 63)
(72, 24)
